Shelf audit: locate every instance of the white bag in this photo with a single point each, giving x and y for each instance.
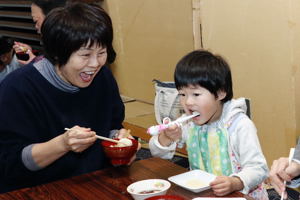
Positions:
(166, 103)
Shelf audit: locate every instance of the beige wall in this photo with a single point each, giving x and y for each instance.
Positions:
(150, 36)
(260, 40)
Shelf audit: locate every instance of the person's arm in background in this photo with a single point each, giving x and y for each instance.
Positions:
(282, 171)
(21, 47)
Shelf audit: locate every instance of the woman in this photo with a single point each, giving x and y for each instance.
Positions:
(70, 88)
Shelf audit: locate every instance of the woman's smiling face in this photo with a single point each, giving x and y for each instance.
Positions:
(83, 65)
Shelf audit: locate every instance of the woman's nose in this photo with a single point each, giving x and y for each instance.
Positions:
(93, 61)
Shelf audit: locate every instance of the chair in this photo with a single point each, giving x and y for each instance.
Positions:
(248, 112)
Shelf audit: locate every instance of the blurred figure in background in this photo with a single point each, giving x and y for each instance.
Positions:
(8, 59)
(39, 10)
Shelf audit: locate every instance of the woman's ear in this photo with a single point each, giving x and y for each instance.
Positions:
(221, 95)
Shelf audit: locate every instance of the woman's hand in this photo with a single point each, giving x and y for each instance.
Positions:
(224, 185)
(78, 139)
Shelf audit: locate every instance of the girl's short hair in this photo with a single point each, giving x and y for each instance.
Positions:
(68, 28)
(205, 69)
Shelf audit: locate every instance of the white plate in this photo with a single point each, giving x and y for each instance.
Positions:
(208, 198)
(194, 180)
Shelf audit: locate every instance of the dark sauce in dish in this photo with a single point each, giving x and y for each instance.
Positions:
(148, 191)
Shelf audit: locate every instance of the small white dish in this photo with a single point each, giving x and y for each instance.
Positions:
(194, 180)
(141, 190)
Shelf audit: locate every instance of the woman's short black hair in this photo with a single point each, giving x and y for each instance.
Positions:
(47, 5)
(205, 69)
(68, 28)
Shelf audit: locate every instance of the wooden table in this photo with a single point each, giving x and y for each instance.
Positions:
(109, 184)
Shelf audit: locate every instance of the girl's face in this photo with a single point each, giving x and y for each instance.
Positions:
(83, 65)
(37, 17)
(198, 99)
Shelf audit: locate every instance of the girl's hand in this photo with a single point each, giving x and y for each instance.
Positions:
(169, 135)
(78, 139)
(224, 185)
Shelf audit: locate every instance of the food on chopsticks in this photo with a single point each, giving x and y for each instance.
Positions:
(124, 142)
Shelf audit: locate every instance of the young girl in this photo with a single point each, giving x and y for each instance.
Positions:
(222, 140)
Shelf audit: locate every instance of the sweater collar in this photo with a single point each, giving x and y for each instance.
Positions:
(48, 72)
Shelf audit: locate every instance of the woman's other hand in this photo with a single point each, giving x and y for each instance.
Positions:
(123, 133)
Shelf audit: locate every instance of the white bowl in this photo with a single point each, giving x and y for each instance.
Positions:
(141, 190)
(194, 180)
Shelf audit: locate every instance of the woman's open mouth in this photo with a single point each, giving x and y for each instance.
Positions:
(87, 76)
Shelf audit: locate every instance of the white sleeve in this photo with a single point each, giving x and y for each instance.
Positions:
(245, 144)
(157, 150)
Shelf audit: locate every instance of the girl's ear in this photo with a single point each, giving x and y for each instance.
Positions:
(221, 95)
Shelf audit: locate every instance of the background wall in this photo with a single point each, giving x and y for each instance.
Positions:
(150, 37)
(260, 40)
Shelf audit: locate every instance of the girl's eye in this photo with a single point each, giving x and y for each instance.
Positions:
(196, 94)
(182, 95)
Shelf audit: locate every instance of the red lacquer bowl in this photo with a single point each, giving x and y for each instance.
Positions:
(119, 155)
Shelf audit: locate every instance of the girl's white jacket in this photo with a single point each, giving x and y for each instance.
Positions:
(243, 141)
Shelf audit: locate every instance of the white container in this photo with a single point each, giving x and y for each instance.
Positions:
(141, 190)
(194, 180)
